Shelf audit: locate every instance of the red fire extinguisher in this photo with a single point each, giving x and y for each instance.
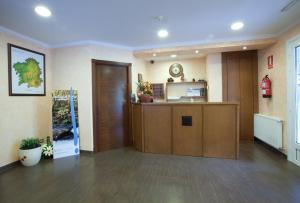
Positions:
(266, 87)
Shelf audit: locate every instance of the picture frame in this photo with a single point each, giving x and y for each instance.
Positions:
(140, 77)
(26, 71)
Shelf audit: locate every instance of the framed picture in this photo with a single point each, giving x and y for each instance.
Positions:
(140, 77)
(26, 72)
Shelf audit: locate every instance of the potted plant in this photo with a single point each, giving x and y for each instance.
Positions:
(144, 92)
(47, 149)
(30, 151)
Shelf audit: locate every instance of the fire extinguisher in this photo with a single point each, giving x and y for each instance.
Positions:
(266, 87)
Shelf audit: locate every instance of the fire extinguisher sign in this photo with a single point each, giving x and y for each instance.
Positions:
(270, 61)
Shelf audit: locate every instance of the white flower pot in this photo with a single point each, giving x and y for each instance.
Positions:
(30, 157)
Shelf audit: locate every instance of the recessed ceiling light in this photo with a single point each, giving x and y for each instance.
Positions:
(42, 11)
(162, 33)
(244, 47)
(154, 54)
(237, 25)
(173, 56)
(197, 51)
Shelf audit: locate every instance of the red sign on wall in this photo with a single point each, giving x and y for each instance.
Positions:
(270, 62)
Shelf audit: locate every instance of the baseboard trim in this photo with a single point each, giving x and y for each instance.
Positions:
(86, 152)
(9, 166)
(269, 147)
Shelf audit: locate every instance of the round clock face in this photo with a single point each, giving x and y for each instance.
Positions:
(176, 70)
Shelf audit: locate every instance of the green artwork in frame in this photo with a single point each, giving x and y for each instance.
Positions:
(26, 72)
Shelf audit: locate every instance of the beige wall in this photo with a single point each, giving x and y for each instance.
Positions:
(20, 116)
(72, 67)
(192, 68)
(214, 77)
(31, 116)
(277, 106)
(208, 68)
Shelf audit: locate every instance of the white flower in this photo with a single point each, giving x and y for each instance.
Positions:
(44, 147)
(47, 150)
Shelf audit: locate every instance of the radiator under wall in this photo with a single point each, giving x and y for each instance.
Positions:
(268, 129)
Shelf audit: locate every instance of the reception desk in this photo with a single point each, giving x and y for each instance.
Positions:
(195, 129)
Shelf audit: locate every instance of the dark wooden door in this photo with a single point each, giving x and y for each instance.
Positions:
(111, 107)
(239, 72)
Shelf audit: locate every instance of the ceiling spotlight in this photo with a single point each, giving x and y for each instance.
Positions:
(154, 54)
(173, 56)
(162, 33)
(197, 51)
(244, 47)
(237, 25)
(42, 11)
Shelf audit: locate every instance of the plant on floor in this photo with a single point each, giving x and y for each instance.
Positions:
(30, 143)
(30, 151)
(47, 149)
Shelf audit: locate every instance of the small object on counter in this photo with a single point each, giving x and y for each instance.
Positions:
(182, 77)
(144, 98)
(173, 98)
(144, 92)
(170, 80)
(194, 80)
(133, 98)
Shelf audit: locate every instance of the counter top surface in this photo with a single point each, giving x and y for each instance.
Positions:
(186, 103)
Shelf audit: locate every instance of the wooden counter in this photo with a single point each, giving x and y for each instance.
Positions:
(195, 129)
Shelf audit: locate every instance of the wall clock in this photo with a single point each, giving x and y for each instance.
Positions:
(176, 70)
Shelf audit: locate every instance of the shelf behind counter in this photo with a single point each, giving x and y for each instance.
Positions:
(209, 129)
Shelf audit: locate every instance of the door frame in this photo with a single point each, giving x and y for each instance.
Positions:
(94, 106)
(291, 99)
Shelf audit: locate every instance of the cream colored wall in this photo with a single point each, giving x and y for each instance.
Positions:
(192, 68)
(72, 67)
(214, 77)
(277, 106)
(208, 68)
(21, 116)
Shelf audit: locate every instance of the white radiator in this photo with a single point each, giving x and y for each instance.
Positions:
(268, 129)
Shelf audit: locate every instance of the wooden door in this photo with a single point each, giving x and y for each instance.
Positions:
(111, 104)
(239, 71)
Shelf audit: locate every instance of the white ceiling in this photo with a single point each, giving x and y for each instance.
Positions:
(130, 23)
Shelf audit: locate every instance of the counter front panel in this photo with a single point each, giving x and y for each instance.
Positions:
(195, 129)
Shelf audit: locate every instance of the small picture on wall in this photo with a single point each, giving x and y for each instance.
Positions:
(26, 72)
(140, 77)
